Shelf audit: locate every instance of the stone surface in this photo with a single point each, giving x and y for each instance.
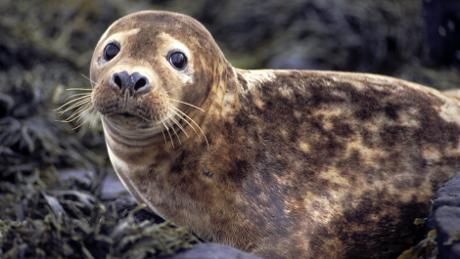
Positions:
(448, 194)
(446, 219)
(212, 251)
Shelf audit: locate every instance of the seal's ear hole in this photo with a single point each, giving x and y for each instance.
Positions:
(178, 60)
(111, 50)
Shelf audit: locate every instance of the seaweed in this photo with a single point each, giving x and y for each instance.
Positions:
(74, 223)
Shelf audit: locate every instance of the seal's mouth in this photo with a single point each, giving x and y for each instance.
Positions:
(127, 115)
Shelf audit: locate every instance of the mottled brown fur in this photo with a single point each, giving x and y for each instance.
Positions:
(297, 164)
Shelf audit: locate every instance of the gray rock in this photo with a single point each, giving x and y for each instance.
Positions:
(82, 175)
(448, 194)
(446, 218)
(112, 188)
(212, 251)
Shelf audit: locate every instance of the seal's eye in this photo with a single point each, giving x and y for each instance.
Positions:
(178, 60)
(111, 50)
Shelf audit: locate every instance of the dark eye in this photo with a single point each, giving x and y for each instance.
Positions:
(178, 60)
(111, 50)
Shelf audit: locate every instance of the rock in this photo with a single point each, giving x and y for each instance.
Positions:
(212, 251)
(446, 219)
(448, 194)
(112, 188)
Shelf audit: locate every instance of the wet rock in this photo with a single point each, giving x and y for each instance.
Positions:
(446, 219)
(112, 188)
(212, 251)
(448, 194)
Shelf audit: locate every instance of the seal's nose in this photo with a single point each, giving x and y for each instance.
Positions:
(134, 83)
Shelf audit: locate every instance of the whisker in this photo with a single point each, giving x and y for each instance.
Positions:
(74, 106)
(75, 118)
(175, 133)
(167, 130)
(186, 103)
(68, 103)
(185, 120)
(76, 98)
(193, 122)
(89, 79)
(78, 112)
(83, 120)
(79, 89)
(164, 137)
(178, 123)
(78, 94)
(78, 126)
(80, 108)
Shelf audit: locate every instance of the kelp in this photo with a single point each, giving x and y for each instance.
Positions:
(30, 134)
(74, 222)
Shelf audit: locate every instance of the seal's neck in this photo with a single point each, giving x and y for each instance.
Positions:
(224, 94)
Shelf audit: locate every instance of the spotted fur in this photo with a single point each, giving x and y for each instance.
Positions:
(294, 164)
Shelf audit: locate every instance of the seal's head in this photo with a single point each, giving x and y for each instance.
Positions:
(148, 64)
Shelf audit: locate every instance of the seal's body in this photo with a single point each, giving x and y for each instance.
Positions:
(290, 164)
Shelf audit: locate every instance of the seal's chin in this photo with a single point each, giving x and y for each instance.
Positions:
(130, 120)
(132, 126)
(126, 116)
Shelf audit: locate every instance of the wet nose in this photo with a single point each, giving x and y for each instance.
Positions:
(135, 83)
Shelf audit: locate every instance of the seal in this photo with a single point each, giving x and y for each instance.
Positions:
(280, 163)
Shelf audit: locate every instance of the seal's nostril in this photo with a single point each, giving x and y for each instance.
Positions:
(140, 83)
(117, 80)
(121, 79)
